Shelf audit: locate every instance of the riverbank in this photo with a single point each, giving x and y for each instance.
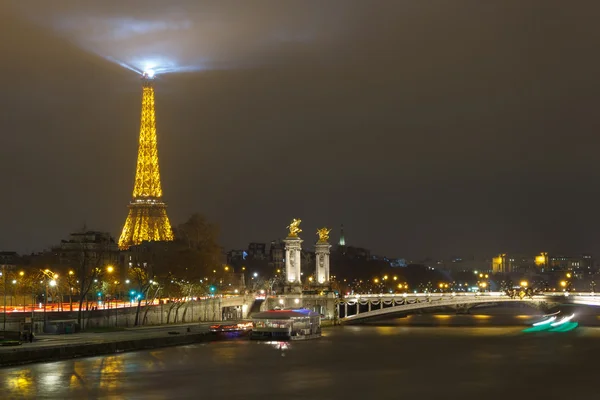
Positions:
(61, 347)
(90, 344)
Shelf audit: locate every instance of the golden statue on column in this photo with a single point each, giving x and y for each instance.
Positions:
(294, 227)
(323, 234)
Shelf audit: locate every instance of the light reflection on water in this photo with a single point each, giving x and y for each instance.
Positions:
(112, 369)
(21, 383)
(461, 320)
(463, 352)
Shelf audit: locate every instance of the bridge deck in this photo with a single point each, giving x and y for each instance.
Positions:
(398, 303)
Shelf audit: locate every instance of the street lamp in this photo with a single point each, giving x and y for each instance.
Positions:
(483, 285)
(50, 279)
(4, 314)
(70, 278)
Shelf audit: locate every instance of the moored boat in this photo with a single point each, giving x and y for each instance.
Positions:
(291, 324)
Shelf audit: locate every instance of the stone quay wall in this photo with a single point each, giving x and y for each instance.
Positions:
(212, 309)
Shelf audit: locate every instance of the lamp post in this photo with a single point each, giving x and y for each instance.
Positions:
(4, 313)
(70, 282)
(22, 274)
(45, 303)
(50, 279)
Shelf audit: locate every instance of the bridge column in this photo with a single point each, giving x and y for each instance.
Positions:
(369, 309)
(322, 261)
(380, 303)
(293, 249)
(346, 309)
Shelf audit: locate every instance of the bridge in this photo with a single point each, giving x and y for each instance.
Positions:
(361, 307)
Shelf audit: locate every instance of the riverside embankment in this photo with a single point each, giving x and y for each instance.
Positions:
(60, 347)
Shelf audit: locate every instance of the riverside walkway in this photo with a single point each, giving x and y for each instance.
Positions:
(48, 347)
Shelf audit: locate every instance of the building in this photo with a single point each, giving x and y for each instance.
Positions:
(257, 251)
(504, 263)
(8, 258)
(277, 254)
(507, 264)
(235, 256)
(398, 263)
(92, 247)
(581, 264)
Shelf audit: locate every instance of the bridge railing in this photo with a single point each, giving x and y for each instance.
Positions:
(466, 294)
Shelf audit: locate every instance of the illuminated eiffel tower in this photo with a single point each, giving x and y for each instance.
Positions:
(147, 219)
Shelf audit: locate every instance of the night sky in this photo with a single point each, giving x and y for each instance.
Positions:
(428, 128)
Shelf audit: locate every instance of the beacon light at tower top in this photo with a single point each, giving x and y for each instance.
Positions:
(149, 74)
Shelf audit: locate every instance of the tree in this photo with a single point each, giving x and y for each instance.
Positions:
(200, 238)
(276, 281)
(142, 277)
(89, 264)
(180, 292)
(176, 268)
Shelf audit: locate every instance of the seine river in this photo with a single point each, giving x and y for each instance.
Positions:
(419, 357)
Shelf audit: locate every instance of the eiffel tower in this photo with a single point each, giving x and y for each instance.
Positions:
(147, 219)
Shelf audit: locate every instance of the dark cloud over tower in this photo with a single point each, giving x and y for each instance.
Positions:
(427, 128)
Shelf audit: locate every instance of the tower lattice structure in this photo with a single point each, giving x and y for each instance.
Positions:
(147, 219)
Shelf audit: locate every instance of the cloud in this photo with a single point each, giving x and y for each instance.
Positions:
(187, 34)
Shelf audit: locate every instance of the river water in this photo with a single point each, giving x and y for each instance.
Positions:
(420, 357)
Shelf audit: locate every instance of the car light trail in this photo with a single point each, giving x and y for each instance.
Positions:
(545, 322)
(563, 321)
